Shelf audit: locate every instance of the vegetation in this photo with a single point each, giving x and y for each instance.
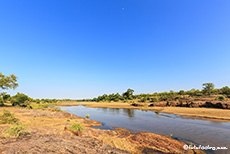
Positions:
(128, 96)
(1, 102)
(20, 99)
(87, 116)
(7, 82)
(16, 131)
(7, 118)
(76, 126)
(207, 88)
(221, 98)
(226, 90)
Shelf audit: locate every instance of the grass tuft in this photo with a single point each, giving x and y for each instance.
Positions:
(76, 126)
(7, 118)
(16, 131)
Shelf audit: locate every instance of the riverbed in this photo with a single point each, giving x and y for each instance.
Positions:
(198, 132)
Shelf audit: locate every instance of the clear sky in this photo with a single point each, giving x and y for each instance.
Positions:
(85, 48)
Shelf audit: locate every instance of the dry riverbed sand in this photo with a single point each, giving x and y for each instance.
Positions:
(47, 135)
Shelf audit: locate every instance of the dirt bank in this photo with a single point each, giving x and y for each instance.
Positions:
(47, 135)
(196, 113)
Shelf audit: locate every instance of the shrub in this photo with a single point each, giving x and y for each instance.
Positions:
(40, 106)
(154, 99)
(7, 118)
(6, 97)
(16, 131)
(226, 90)
(20, 99)
(177, 98)
(221, 98)
(1, 102)
(144, 99)
(87, 116)
(76, 126)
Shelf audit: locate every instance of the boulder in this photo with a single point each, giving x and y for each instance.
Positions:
(173, 103)
(159, 104)
(196, 104)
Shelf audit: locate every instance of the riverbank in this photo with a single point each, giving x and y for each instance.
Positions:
(48, 134)
(196, 113)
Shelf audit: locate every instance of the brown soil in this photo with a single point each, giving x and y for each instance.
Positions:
(47, 135)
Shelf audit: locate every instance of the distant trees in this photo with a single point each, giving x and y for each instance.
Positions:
(128, 94)
(181, 92)
(115, 97)
(7, 82)
(226, 90)
(207, 88)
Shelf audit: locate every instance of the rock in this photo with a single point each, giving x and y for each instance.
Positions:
(196, 104)
(159, 104)
(139, 104)
(173, 103)
(56, 144)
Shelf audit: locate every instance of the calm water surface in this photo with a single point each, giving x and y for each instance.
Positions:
(200, 132)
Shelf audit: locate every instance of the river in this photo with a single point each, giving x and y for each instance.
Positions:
(199, 132)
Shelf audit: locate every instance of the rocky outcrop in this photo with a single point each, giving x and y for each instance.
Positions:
(184, 103)
(196, 104)
(217, 104)
(173, 103)
(56, 144)
(159, 104)
(139, 104)
(141, 142)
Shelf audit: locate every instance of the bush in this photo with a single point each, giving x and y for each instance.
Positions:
(177, 98)
(20, 99)
(144, 99)
(76, 126)
(221, 98)
(7, 118)
(87, 116)
(16, 131)
(1, 102)
(154, 99)
(6, 97)
(40, 106)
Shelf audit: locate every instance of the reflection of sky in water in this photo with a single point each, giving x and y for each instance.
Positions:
(198, 131)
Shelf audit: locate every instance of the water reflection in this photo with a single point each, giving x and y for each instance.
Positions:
(129, 112)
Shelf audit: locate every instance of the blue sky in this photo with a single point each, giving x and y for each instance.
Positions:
(85, 48)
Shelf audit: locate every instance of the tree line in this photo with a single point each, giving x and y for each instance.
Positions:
(208, 89)
(20, 99)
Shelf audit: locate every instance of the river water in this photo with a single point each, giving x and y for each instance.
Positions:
(199, 132)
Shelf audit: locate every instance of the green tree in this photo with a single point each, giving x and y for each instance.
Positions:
(207, 88)
(7, 82)
(20, 99)
(181, 92)
(226, 90)
(128, 94)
